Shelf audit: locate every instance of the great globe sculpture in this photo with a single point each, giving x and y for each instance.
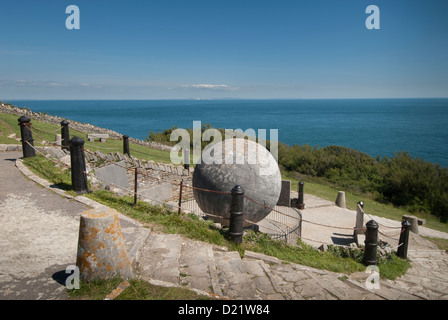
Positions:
(233, 162)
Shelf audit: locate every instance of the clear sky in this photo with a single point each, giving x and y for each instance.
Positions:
(166, 49)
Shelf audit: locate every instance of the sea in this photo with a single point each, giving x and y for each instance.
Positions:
(378, 127)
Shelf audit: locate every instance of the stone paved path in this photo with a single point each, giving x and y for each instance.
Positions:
(39, 234)
(38, 240)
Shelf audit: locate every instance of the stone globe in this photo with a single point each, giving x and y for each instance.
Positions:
(233, 162)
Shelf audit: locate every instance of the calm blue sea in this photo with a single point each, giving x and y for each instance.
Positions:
(374, 126)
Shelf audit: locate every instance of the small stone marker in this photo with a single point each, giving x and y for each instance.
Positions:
(58, 140)
(115, 174)
(340, 200)
(101, 248)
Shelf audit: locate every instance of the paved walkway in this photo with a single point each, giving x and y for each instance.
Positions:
(39, 234)
(38, 240)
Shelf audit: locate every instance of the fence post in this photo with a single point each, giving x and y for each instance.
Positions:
(359, 218)
(65, 135)
(300, 200)
(27, 137)
(371, 243)
(236, 214)
(78, 165)
(126, 145)
(135, 185)
(180, 196)
(402, 251)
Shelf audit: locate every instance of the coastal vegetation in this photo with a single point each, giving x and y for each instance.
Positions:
(414, 184)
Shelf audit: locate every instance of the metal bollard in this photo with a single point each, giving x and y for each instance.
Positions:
(236, 215)
(371, 243)
(135, 186)
(65, 135)
(27, 137)
(126, 145)
(78, 165)
(300, 204)
(180, 196)
(402, 251)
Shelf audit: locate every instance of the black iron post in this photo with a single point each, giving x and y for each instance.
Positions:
(236, 215)
(135, 185)
(180, 196)
(65, 135)
(300, 203)
(186, 152)
(371, 243)
(27, 137)
(126, 145)
(402, 250)
(78, 165)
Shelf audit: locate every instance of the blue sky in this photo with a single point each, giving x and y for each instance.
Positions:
(164, 49)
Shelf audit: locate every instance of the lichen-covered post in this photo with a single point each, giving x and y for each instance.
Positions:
(126, 145)
(78, 165)
(65, 135)
(402, 250)
(371, 243)
(101, 247)
(236, 215)
(27, 137)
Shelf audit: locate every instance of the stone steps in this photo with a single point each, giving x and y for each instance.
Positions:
(193, 264)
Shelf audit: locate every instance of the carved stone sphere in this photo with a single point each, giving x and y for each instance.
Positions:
(237, 162)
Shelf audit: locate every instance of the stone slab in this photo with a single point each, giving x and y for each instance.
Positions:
(115, 174)
(285, 194)
(160, 192)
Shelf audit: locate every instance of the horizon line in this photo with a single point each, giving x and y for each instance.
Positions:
(218, 99)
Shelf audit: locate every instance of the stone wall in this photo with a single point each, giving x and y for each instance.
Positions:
(83, 127)
(151, 173)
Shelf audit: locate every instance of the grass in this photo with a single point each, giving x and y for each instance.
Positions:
(138, 290)
(441, 243)
(9, 125)
(43, 167)
(161, 219)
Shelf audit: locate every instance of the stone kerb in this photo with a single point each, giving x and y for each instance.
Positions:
(101, 247)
